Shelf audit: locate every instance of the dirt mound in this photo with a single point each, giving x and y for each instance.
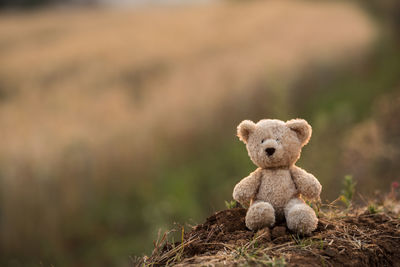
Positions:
(357, 239)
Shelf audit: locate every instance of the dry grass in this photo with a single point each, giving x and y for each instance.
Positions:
(343, 237)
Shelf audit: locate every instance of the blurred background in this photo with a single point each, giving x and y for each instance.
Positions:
(118, 118)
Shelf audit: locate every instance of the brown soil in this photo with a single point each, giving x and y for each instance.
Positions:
(357, 239)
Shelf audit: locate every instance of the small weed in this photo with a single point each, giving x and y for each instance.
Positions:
(315, 205)
(231, 204)
(321, 244)
(372, 208)
(242, 252)
(347, 192)
(302, 242)
(256, 244)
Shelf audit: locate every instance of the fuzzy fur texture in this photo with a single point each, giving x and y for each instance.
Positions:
(277, 185)
(260, 214)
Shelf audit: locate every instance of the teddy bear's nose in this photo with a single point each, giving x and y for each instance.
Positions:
(270, 151)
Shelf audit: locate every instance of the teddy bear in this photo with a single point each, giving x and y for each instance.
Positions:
(275, 190)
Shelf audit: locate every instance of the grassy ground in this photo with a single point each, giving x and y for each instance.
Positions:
(351, 237)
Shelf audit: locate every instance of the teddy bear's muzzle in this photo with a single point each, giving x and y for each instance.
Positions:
(270, 151)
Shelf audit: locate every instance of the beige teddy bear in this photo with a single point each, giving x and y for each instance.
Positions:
(273, 191)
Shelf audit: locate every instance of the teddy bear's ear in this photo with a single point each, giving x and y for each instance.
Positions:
(302, 129)
(244, 129)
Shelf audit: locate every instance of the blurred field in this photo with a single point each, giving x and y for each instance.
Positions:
(116, 122)
(119, 69)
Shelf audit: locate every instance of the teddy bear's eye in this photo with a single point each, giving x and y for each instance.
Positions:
(277, 140)
(262, 141)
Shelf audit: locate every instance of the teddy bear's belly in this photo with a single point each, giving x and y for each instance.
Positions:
(277, 188)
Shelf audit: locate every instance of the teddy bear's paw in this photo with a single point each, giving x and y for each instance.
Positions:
(313, 190)
(260, 215)
(301, 219)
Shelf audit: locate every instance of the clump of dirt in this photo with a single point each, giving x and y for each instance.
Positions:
(224, 227)
(355, 239)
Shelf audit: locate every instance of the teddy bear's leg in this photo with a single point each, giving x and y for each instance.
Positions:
(259, 215)
(300, 217)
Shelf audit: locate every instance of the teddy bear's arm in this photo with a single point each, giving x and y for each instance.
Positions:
(306, 183)
(247, 188)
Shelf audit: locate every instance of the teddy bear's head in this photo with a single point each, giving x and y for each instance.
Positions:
(274, 143)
